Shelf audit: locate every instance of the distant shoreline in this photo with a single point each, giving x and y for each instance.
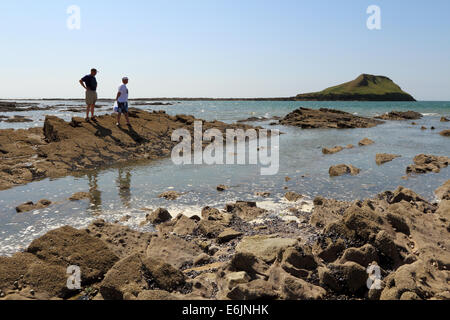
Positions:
(212, 99)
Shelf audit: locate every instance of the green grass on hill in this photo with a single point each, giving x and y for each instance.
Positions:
(365, 87)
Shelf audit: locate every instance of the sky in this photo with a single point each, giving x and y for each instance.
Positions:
(221, 48)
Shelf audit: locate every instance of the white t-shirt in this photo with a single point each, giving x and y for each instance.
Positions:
(123, 93)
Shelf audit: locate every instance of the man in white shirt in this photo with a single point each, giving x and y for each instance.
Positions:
(122, 101)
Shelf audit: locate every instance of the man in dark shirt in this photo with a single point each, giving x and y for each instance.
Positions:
(90, 84)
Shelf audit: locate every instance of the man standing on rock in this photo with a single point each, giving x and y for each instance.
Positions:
(89, 83)
(122, 101)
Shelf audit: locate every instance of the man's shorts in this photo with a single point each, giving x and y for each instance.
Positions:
(122, 107)
(91, 97)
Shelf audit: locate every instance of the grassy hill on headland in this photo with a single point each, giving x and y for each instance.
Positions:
(365, 88)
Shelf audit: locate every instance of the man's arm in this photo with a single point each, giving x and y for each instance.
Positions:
(82, 84)
(118, 95)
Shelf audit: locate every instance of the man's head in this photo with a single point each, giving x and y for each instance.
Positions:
(93, 72)
(125, 80)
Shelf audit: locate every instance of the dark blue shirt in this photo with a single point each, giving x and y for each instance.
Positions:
(91, 82)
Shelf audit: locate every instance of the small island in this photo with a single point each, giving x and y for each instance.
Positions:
(364, 88)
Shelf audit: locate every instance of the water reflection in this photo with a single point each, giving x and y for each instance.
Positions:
(123, 182)
(96, 194)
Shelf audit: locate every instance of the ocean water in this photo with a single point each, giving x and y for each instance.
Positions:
(126, 190)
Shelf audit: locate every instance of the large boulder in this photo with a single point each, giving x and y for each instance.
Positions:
(136, 273)
(67, 246)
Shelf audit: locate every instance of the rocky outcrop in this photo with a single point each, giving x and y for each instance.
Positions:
(327, 118)
(444, 119)
(401, 115)
(342, 169)
(30, 206)
(382, 158)
(61, 148)
(428, 163)
(445, 133)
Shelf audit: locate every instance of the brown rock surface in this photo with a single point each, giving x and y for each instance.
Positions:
(382, 158)
(327, 118)
(61, 148)
(342, 169)
(67, 246)
(399, 115)
(428, 163)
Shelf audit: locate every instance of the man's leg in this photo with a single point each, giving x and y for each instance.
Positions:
(126, 117)
(118, 118)
(92, 110)
(87, 112)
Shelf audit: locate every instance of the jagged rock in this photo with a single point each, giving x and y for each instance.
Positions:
(445, 133)
(428, 163)
(444, 119)
(443, 192)
(159, 216)
(67, 246)
(383, 158)
(366, 142)
(342, 169)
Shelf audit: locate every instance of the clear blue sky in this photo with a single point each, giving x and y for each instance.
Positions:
(222, 48)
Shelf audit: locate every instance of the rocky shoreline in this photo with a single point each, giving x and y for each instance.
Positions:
(243, 252)
(61, 148)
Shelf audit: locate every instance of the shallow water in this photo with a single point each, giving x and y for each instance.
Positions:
(126, 190)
